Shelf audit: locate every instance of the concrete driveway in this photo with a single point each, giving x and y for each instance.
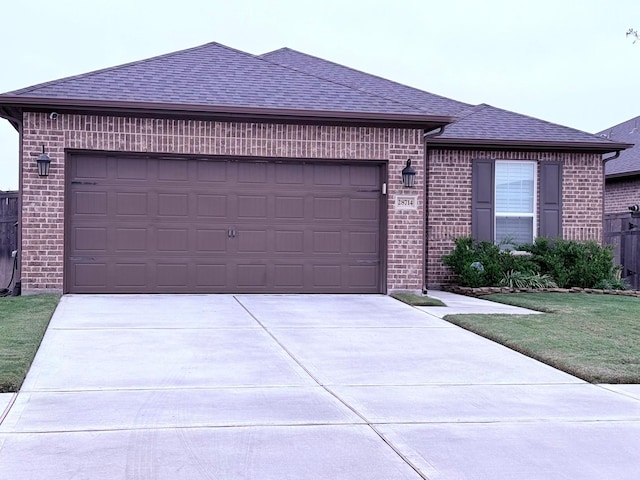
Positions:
(300, 387)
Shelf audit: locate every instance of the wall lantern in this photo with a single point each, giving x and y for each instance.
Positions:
(43, 163)
(408, 175)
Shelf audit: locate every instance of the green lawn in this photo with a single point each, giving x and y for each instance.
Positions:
(418, 300)
(594, 337)
(23, 321)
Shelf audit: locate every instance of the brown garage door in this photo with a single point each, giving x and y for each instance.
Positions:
(159, 225)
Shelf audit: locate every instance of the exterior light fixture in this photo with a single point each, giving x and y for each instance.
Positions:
(44, 162)
(408, 175)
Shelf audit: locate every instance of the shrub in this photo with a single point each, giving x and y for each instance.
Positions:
(573, 264)
(513, 279)
(482, 264)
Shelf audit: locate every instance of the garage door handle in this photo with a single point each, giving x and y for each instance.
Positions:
(231, 233)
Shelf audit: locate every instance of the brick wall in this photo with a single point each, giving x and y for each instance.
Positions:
(42, 224)
(449, 199)
(620, 193)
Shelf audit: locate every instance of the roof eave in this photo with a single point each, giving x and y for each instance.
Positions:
(613, 176)
(486, 144)
(227, 112)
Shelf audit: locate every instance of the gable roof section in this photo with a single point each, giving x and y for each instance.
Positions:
(479, 125)
(214, 77)
(628, 163)
(425, 101)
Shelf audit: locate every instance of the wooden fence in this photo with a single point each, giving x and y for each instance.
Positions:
(8, 234)
(622, 231)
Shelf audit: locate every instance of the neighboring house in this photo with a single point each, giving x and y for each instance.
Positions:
(213, 170)
(622, 174)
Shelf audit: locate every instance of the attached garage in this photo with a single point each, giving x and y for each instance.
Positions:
(189, 224)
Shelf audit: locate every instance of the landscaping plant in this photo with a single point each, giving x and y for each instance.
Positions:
(548, 264)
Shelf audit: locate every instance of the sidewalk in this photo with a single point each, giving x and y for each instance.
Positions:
(461, 304)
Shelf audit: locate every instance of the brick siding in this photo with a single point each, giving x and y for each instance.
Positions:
(43, 199)
(449, 199)
(620, 193)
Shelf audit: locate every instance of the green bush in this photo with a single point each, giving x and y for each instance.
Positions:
(514, 279)
(483, 264)
(559, 262)
(573, 264)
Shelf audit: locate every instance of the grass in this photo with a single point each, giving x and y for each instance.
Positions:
(23, 321)
(418, 300)
(594, 337)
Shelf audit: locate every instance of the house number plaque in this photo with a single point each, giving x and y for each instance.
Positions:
(406, 202)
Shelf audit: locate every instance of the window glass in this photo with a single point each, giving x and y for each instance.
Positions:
(515, 201)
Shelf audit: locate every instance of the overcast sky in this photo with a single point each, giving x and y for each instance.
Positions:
(565, 61)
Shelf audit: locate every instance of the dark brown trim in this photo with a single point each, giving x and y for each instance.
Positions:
(227, 113)
(527, 145)
(623, 176)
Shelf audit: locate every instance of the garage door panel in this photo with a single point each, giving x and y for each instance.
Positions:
(251, 172)
(131, 169)
(90, 275)
(364, 208)
(132, 203)
(172, 275)
(172, 240)
(289, 242)
(173, 204)
(289, 174)
(289, 207)
(252, 206)
(207, 171)
(327, 242)
(90, 168)
(212, 205)
(362, 176)
(251, 275)
(232, 226)
(289, 276)
(131, 239)
(364, 243)
(211, 275)
(173, 170)
(90, 203)
(129, 273)
(363, 276)
(90, 239)
(327, 175)
(211, 240)
(327, 208)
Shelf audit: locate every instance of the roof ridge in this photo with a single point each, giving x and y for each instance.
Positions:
(358, 71)
(37, 86)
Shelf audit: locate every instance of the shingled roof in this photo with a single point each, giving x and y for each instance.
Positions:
(286, 85)
(425, 101)
(476, 125)
(214, 77)
(628, 163)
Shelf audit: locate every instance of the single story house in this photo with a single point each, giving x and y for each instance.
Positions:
(215, 170)
(622, 174)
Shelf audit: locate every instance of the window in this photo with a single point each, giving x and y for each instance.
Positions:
(515, 193)
(506, 202)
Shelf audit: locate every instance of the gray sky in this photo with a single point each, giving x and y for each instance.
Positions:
(564, 61)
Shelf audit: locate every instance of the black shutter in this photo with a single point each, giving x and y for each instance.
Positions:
(482, 198)
(551, 199)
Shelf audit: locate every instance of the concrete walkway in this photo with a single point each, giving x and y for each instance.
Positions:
(300, 387)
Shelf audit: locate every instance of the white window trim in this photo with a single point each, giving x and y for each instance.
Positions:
(533, 215)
